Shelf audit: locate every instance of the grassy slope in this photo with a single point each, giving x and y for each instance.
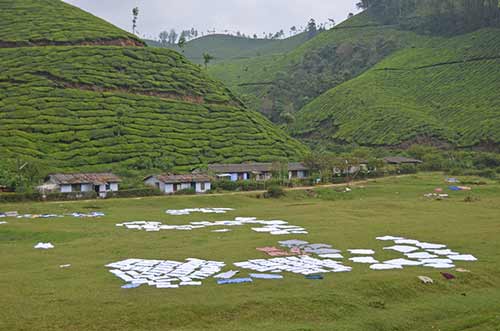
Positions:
(61, 118)
(225, 47)
(264, 69)
(398, 101)
(52, 20)
(38, 295)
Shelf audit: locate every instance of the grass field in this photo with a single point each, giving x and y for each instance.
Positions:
(38, 295)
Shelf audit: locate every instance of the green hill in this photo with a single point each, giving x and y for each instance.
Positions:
(49, 22)
(108, 107)
(226, 47)
(331, 89)
(282, 84)
(443, 92)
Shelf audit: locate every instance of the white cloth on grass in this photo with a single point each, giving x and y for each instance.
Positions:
(439, 265)
(403, 262)
(420, 255)
(44, 246)
(364, 259)
(402, 248)
(389, 238)
(383, 266)
(227, 274)
(430, 246)
(361, 251)
(465, 257)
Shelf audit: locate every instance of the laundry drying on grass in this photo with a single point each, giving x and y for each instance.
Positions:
(361, 251)
(363, 259)
(93, 214)
(273, 227)
(417, 253)
(44, 246)
(188, 211)
(308, 248)
(304, 265)
(165, 273)
(3, 222)
(274, 251)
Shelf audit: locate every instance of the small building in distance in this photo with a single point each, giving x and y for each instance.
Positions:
(101, 183)
(254, 170)
(399, 160)
(170, 184)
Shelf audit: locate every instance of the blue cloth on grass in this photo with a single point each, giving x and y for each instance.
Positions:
(314, 277)
(455, 188)
(131, 285)
(234, 281)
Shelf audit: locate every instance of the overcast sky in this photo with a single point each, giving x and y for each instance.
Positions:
(247, 16)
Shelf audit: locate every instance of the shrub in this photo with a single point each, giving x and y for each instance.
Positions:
(141, 192)
(275, 192)
(187, 191)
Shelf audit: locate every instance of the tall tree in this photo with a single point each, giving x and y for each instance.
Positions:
(135, 16)
(163, 37)
(182, 42)
(312, 29)
(206, 59)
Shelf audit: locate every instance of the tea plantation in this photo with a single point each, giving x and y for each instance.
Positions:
(91, 108)
(445, 90)
(25, 22)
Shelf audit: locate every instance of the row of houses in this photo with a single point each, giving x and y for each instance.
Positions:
(199, 181)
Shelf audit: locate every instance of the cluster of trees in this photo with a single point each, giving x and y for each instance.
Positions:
(436, 16)
(326, 166)
(172, 37)
(20, 175)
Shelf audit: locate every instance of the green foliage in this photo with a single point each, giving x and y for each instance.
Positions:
(187, 191)
(274, 192)
(436, 16)
(31, 21)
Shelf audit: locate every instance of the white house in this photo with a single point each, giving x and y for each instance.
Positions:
(101, 183)
(257, 171)
(170, 184)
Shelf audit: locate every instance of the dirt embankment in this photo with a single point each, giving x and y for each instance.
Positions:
(99, 42)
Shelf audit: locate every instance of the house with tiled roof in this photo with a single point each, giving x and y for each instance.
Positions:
(101, 183)
(170, 183)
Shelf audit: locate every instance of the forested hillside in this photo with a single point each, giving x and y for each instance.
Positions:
(106, 107)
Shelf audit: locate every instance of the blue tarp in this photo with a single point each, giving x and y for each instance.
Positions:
(234, 281)
(455, 188)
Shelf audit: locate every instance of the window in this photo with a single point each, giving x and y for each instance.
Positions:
(108, 187)
(76, 187)
(202, 186)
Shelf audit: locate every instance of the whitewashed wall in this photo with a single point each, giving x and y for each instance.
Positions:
(65, 188)
(87, 187)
